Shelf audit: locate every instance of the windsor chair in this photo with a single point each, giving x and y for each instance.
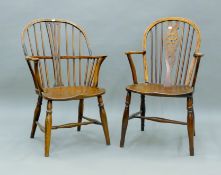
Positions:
(171, 57)
(63, 68)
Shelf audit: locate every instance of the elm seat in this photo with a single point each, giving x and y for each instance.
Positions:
(159, 89)
(72, 92)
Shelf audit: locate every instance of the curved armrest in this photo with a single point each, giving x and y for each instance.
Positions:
(35, 58)
(132, 66)
(83, 57)
(97, 70)
(35, 72)
(98, 60)
(135, 52)
(198, 57)
(31, 58)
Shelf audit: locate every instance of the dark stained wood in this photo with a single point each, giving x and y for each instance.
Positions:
(36, 116)
(125, 119)
(80, 112)
(159, 119)
(63, 68)
(179, 42)
(143, 111)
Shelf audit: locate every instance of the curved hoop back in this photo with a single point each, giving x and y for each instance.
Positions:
(52, 39)
(169, 45)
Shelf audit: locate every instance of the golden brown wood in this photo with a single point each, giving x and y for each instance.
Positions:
(190, 124)
(70, 125)
(159, 90)
(103, 119)
(174, 41)
(180, 53)
(49, 50)
(71, 93)
(48, 125)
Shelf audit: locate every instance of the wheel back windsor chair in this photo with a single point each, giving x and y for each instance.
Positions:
(171, 57)
(63, 68)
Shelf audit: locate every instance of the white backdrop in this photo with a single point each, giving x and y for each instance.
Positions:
(113, 27)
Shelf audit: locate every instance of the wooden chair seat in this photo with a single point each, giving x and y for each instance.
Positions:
(72, 93)
(159, 89)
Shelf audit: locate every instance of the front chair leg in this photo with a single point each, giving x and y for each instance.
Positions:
(80, 113)
(48, 125)
(125, 119)
(36, 116)
(190, 124)
(103, 119)
(143, 110)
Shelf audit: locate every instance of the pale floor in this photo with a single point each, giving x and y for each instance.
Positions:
(160, 149)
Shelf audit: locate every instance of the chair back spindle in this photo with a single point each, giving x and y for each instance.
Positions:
(170, 44)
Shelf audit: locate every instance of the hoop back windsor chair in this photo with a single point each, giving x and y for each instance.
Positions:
(171, 57)
(63, 68)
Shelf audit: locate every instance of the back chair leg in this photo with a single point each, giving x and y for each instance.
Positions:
(194, 123)
(125, 119)
(190, 124)
(36, 116)
(143, 110)
(103, 119)
(80, 112)
(48, 125)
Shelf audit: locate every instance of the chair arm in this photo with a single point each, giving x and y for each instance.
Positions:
(198, 57)
(35, 71)
(31, 58)
(135, 52)
(84, 57)
(35, 58)
(132, 66)
(97, 70)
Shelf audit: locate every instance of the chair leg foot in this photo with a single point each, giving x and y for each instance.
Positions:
(103, 117)
(36, 116)
(125, 119)
(143, 110)
(48, 125)
(190, 125)
(80, 113)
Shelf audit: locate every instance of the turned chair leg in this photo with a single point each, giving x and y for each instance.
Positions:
(125, 119)
(143, 110)
(190, 124)
(48, 125)
(80, 112)
(36, 116)
(103, 119)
